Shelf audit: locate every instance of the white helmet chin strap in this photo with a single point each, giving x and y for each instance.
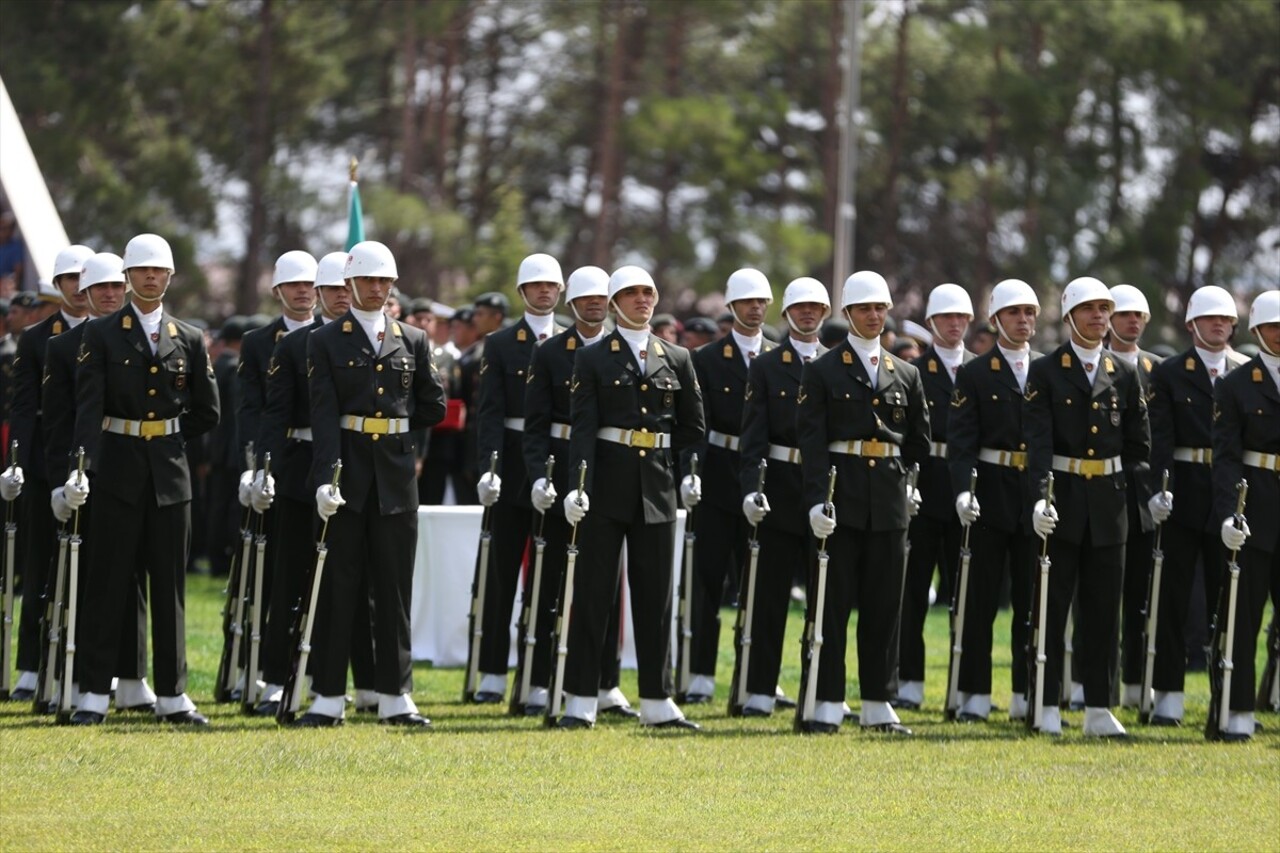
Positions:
(1121, 338)
(1257, 333)
(1004, 336)
(590, 325)
(537, 312)
(626, 321)
(1091, 342)
(744, 323)
(853, 329)
(1195, 333)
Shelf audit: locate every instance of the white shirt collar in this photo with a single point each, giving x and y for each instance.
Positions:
(291, 325)
(586, 342)
(1089, 358)
(1131, 357)
(540, 324)
(151, 320)
(1273, 364)
(72, 322)
(805, 350)
(637, 339)
(1213, 359)
(748, 345)
(374, 323)
(869, 353)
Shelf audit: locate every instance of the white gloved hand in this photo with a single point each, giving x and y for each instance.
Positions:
(11, 483)
(755, 512)
(245, 492)
(543, 494)
(489, 488)
(576, 505)
(1232, 536)
(690, 490)
(263, 492)
(913, 501)
(967, 508)
(76, 493)
(328, 499)
(1044, 519)
(820, 523)
(61, 509)
(1161, 505)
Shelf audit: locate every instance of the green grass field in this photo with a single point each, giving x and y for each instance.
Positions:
(482, 780)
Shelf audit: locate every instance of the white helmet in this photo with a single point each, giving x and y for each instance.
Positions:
(587, 281)
(102, 268)
(148, 250)
(1129, 298)
(806, 290)
(70, 261)
(539, 267)
(370, 258)
(294, 266)
(948, 299)
(747, 283)
(865, 287)
(629, 276)
(1265, 309)
(1211, 301)
(1084, 289)
(1010, 292)
(330, 269)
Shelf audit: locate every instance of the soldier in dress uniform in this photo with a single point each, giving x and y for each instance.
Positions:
(864, 412)
(1085, 420)
(144, 385)
(500, 428)
(635, 407)
(769, 432)
(1181, 443)
(546, 433)
(984, 431)
(444, 441)
(1246, 446)
(372, 384)
(467, 391)
(935, 531)
(226, 463)
(1128, 322)
(27, 426)
(721, 546)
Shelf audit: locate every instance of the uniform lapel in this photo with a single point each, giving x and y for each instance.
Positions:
(392, 341)
(1073, 369)
(1003, 370)
(1268, 382)
(1199, 373)
(854, 363)
(733, 355)
(794, 365)
(165, 346)
(132, 328)
(886, 371)
(656, 355)
(1106, 369)
(620, 352)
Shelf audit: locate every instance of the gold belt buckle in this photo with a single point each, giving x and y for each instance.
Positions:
(1018, 459)
(376, 426)
(643, 439)
(1091, 467)
(874, 447)
(151, 429)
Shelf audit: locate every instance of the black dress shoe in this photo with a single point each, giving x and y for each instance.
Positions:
(485, 697)
(87, 718)
(316, 721)
(184, 718)
(784, 701)
(1164, 722)
(367, 709)
(966, 717)
(1075, 706)
(749, 711)
(535, 710)
(816, 727)
(908, 704)
(677, 723)
(624, 711)
(22, 694)
(852, 717)
(268, 708)
(889, 728)
(412, 720)
(696, 699)
(143, 708)
(1233, 737)
(573, 723)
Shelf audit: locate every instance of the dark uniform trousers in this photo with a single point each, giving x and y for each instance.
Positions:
(1247, 417)
(769, 418)
(141, 520)
(838, 402)
(935, 531)
(636, 501)
(462, 466)
(1065, 417)
(252, 378)
(1182, 416)
(374, 535)
(987, 410)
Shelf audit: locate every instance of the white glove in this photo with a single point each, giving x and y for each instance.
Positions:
(913, 501)
(967, 508)
(1232, 536)
(1161, 505)
(690, 490)
(820, 523)
(11, 483)
(76, 493)
(576, 505)
(1044, 519)
(263, 492)
(755, 512)
(489, 487)
(246, 489)
(543, 494)
(61, 509)
(328, 499)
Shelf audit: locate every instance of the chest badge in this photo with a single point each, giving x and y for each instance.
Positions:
(521, 336)
(786, 356)
(614, 346)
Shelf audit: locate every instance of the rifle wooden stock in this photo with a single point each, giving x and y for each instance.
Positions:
(6, 590)
(684, 607)
(958, 601)
(527, 645)
(479, 586)
(560, 637)
(738, 692)
(809, 672)
(1146, 696)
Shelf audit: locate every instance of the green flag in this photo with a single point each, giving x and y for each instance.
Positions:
(355, 218)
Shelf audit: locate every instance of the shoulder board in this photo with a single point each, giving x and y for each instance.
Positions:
(657, 348)
(346, 326)
(521, 336)
(126, 322)
(173, 330)
(571, 342)
(846, 357)
(786, 356)
(728, 350)
(395, 330)
(933, 366)
(1066, 359)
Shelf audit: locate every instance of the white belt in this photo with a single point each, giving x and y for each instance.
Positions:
(141, 429)
(720, 439)
(869, 447)
(1086, 467)
(1007, 458)
(635, 437)
(1198, 455)
(561, 431)
(516, 424)
(1257, 459)
(939, 449)
(298, 433)
(374, 426)
(784, 454)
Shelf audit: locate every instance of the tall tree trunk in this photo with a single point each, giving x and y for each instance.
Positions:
(409, 141)
(672, 78)
(831, 90)
(897, 138)
(609, 145)
(260, 133)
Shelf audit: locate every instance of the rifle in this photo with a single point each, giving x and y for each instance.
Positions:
(684, 608)
(1146, 697)
(227, 682)
(746, 612)
(1269, 685)
(303, 623)
(252, 692)
(951, 709)
(6, 589)
(1224, 636)
(51, 627)
(73, 592)
(809, 671)
(471, 683)
(1035, 684)
(560, 637)
(528, 644)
